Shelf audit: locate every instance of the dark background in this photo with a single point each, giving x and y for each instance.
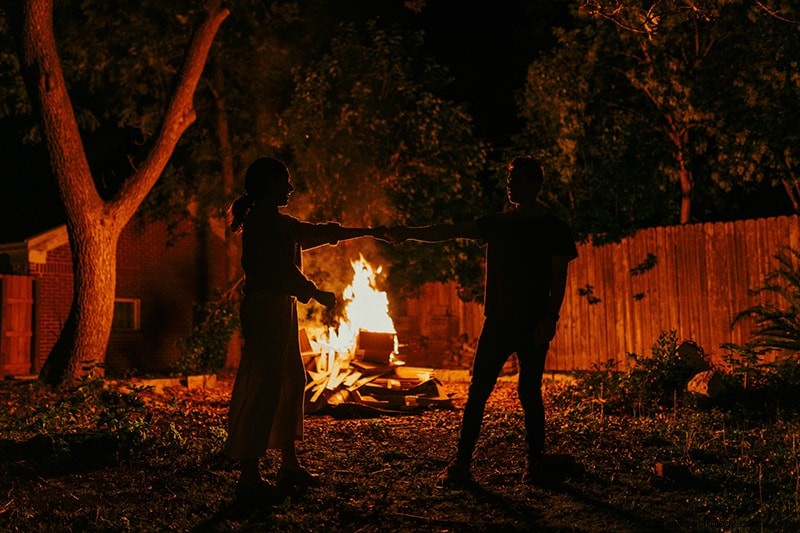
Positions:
(487, 48)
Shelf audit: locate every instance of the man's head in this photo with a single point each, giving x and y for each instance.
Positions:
(525, 178)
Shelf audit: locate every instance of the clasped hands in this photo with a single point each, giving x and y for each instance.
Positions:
(392, 235)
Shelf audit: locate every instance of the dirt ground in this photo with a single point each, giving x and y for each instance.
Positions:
(378, 474)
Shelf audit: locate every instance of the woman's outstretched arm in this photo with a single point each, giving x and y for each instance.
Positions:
(311, 235)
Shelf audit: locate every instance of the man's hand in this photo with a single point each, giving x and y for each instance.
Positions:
(379, 232)
(396, 234)
(545, 330)
(326, 298)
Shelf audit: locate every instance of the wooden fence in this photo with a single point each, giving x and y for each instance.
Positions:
(16, 324)
(692, 279)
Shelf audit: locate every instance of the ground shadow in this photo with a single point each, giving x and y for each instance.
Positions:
(252, 509)
(559, 472)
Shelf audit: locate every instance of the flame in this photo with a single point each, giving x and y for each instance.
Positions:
(367, 308)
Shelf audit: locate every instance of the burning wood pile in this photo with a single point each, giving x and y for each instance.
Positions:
(356, 368)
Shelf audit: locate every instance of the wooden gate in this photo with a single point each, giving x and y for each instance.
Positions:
(16, 324)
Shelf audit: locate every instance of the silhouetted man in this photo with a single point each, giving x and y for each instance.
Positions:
(528, 250)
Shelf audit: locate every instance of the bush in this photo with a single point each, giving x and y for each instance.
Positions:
(87, 403)
(655, 382)
(204, 350)
(778, 328)
(764, 381)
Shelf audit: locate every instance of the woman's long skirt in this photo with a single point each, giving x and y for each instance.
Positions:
(266, 410)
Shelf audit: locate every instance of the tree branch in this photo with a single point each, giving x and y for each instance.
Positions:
(776, 14)
(178, 117)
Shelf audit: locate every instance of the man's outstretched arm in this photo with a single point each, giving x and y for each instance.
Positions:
(434, 232)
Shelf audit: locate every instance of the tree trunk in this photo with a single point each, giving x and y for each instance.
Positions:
(232, 252)
(82, 343)
(679, 138)
(791, 184)
(687, 186)
(793, 192)
(233, 271)
(94, 225)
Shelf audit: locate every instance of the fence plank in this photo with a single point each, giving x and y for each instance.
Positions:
(702, 278)
(16, 305)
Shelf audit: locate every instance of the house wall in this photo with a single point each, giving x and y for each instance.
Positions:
(168, 275)
(52, 299)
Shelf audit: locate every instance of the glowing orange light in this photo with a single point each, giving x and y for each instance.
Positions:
(367, 309)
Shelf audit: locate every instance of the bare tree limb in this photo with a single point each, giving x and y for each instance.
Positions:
(178, 117)
(776, 13)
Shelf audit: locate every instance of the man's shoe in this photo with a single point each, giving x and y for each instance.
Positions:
(259, 492)
(535, 472)
(457, 474)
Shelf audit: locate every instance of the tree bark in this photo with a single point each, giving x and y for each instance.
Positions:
(80, 348)
(791, 184)
(687, 188)
(94, 225)
(232, 252)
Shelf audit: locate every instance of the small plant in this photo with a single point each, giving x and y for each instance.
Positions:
(587, 292)
(646, 265)
(776, 380)
(778, 328)
(658, 379)
(204, 350)
(86, 405)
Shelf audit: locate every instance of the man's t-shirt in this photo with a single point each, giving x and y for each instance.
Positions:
(519, 262)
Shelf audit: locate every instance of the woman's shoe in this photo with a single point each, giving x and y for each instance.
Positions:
(257, 492)
(296, 477)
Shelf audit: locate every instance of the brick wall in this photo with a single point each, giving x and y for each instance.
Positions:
(168, 275)
(52, 299)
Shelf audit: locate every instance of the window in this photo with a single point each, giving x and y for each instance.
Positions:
(126, 314)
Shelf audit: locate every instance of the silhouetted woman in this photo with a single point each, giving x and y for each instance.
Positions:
(266, 410)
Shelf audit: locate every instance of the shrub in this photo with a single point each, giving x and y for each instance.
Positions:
(86, 404)
(658, 379)
(778, 328)
(204, 350)
(653, 383)
(776, 332)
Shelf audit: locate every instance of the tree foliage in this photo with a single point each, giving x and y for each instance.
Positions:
(373, 143)
(95, 213)
(643, 109)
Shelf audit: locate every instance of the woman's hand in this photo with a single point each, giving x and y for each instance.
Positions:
(326, 298)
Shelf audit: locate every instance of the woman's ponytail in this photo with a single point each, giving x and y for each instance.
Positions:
(239, 210)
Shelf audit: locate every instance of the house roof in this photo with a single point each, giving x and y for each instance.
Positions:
(34, 249)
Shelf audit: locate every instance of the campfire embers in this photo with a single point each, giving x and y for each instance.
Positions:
(371, 381)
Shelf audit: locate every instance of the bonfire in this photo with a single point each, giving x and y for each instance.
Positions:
(358, 362)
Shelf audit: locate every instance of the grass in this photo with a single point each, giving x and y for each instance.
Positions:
(158, 468)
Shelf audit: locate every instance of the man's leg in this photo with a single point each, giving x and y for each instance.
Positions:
(531, 363)
(490, 356)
